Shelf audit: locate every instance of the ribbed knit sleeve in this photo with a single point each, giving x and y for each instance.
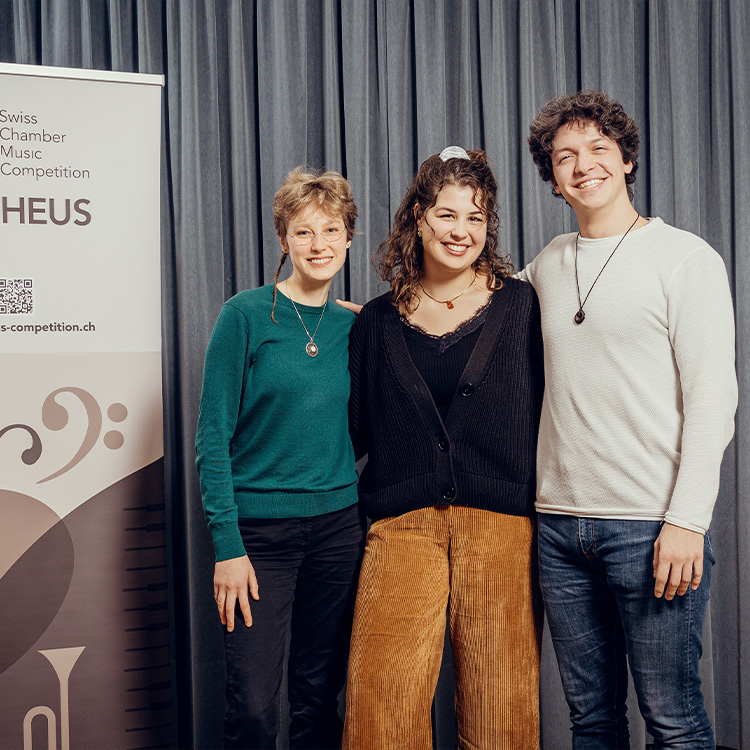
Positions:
(223, 379)
(536, 354)
(701, 330)
(357, 372)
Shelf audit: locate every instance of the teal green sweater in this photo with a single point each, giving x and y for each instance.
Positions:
(273, 438)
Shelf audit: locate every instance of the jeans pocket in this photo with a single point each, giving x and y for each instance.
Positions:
(708, 549)
(380, 524)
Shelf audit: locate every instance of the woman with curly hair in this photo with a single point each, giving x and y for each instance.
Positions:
(447, 387)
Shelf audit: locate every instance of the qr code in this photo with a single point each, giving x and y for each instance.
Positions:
(16, 296)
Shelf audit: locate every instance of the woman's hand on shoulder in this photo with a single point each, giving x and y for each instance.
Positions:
(232, 579)
(353, 306)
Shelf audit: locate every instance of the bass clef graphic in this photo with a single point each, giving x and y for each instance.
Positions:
(55, 417)
(30, 455)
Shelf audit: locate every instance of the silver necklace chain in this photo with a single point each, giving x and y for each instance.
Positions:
(580, 316)
(311, 347)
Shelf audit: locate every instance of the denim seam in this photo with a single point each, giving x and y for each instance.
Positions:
(587, 524)
(580, 536)
(710, 546)
(593, 539)
(689, 682)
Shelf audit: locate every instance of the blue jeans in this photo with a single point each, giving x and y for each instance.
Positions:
(307, 571)
(598, 588)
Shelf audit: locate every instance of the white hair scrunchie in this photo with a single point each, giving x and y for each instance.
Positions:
(454, 152)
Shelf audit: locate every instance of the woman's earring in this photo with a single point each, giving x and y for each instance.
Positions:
(419, 232)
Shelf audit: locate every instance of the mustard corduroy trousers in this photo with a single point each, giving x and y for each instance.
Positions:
(482, 567)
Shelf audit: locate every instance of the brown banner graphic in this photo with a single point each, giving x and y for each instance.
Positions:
(85, 648)
(84, 627)
(83, 612)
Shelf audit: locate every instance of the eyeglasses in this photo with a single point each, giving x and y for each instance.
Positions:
(306, 236)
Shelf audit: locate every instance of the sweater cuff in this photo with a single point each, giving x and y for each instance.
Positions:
(228, 542)
(684, 524)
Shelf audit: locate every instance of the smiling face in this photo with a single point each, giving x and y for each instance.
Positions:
(588, 170)
(316, 244)
(454, 232)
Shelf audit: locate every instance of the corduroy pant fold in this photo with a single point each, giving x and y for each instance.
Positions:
(482, 567)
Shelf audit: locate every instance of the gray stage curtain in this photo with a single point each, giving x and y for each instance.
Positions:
(371, 88)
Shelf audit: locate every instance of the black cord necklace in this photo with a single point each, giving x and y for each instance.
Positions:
(580, 316)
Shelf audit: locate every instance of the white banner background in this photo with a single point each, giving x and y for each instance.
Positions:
(83, 602)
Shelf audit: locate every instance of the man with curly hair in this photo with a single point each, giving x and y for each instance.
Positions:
(639, 406)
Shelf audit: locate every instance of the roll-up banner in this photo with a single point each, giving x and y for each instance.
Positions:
(84, 633)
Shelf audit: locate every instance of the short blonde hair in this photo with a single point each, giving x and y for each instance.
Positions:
(304, 189)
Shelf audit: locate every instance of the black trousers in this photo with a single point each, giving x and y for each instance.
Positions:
(307, 571)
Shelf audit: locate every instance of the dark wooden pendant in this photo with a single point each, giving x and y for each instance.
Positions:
(580, 315)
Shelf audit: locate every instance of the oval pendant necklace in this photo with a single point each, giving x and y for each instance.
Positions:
(310, 347)
(580, 316)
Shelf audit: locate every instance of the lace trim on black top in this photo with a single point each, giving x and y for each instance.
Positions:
(442, 342)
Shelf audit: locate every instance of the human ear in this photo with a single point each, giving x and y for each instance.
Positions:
(418, 217)
(628, 167)
(283, 244)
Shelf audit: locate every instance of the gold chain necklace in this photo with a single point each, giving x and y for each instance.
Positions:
(449, 302)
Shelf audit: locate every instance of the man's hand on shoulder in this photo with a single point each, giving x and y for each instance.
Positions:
(678, 561)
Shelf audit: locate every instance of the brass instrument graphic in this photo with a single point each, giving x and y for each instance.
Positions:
(111, 546)
(62, 660)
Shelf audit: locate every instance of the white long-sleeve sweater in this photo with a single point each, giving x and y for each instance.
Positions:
(640, 397)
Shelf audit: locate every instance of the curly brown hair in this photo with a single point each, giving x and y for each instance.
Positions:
(306, 188)
(585, 106)
(399, 259)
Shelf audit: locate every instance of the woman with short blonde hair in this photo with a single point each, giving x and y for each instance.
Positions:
(277, 477)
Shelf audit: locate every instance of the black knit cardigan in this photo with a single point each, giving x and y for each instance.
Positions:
(484, 455)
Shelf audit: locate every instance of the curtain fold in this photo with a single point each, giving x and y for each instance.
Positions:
(371, 88)
(735, 646)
